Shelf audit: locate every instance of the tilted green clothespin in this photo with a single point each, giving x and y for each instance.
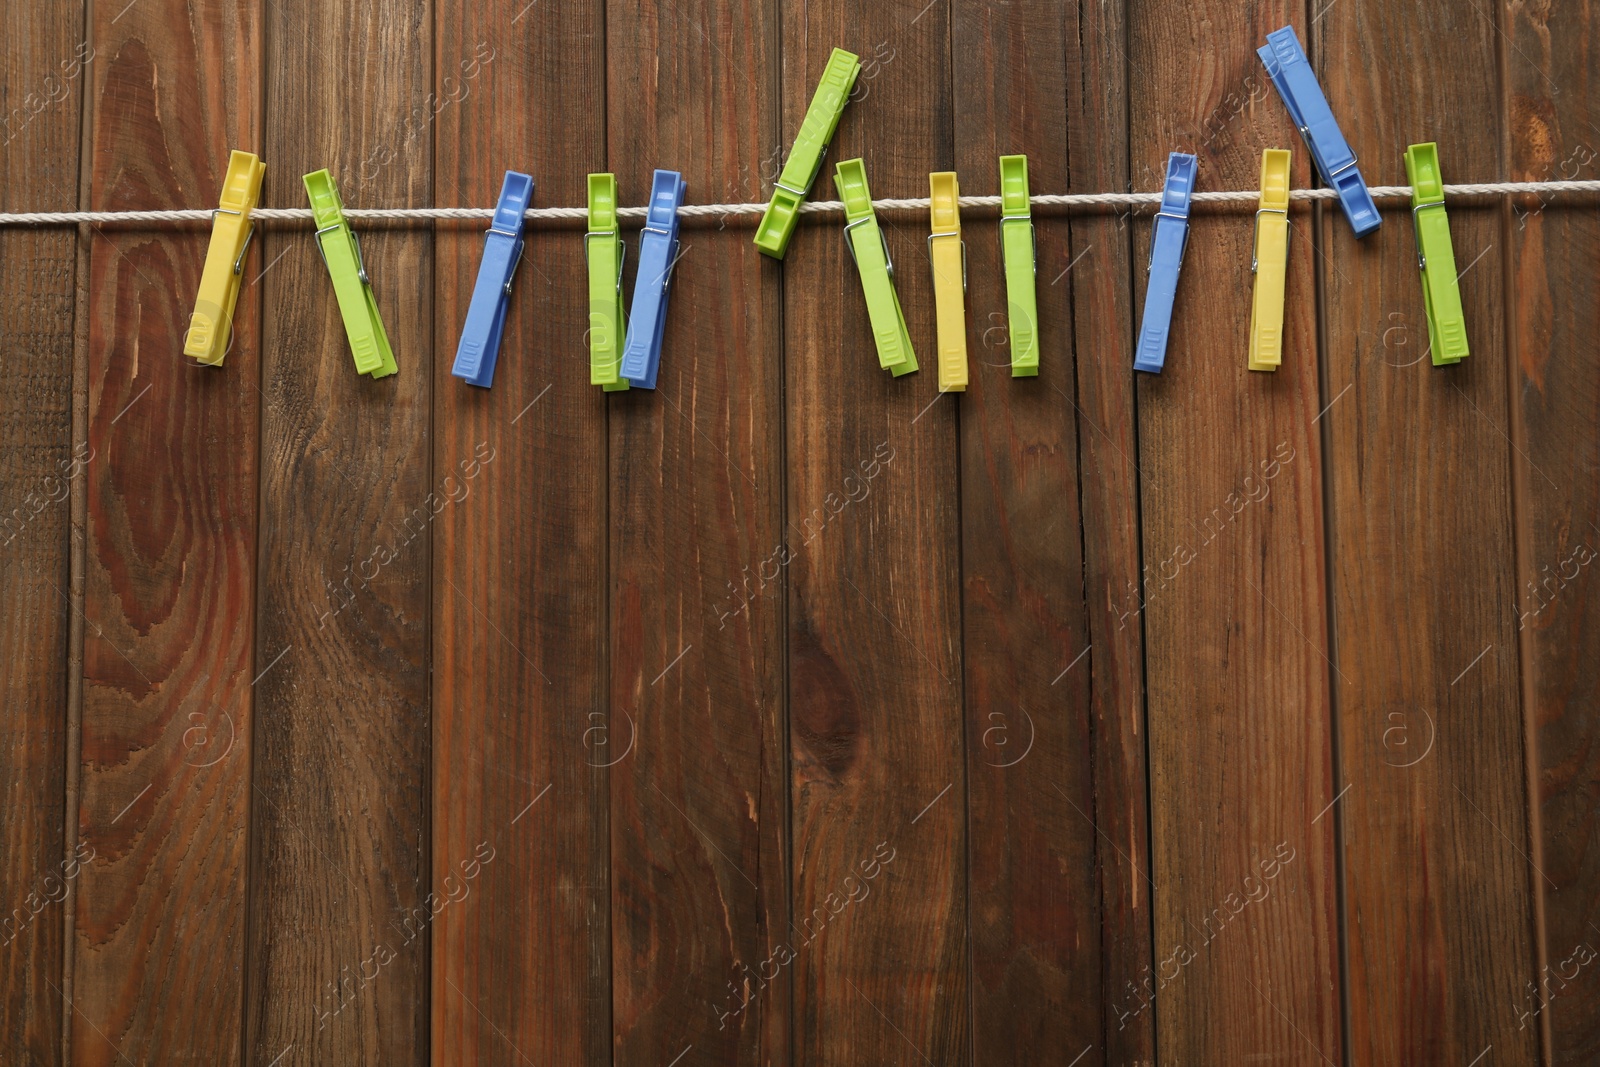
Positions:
(1441, 291)
(603, 248)
(871, 252)
(805, 159)
(340, 250)
(1017, 248)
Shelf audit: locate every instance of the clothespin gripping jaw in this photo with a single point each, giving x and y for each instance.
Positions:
(1169, 240)
(1019, 251)
(800, 170)
(1269, 260)
(658, 253)
(1290, 70)
(603, 252)
(340, 250)
(1436, 259)
(211, 324)
(948, 254)
(870, 250)
(479, 349)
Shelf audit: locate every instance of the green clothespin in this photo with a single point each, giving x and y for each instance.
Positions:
(1441, 293)
(603, 248)
(1017, 247)
(871, 252)
(340, 250)
(805, 159)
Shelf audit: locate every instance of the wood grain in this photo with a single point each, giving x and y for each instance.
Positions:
(875, 585)
(341, 895)
(1034, 900)
(521, 964)
(171, 543)
(1552, 66)
(1098, 268)
(1437, 879)
(41, 82)
(699, 848)
(1246, 919)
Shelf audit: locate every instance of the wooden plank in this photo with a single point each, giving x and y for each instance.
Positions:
(1097, 267)
(699, 848)
(42, 71)
(874, 626)
(171, 542)
(1435, 836)
(1034, 915)
(521, 964)
(1550, 57)
(341, 899)
(1246, 920)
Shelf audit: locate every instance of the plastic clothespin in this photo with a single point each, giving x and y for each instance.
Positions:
(658, 253)
(231, 230)
(486, 314)
(1436, 257)
(805, 159)
(869, 248)
(1019, 252)
(1291, 72)
(1169, 237)
(341, 251)
(1269, 261)
(948, 254)
(603, 249)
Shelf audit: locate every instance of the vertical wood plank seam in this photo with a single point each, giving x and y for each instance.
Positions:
(77, 528)
(260, 108)
(1138, 520)
(1319, 220)
(961, 610)
(425, 835)
(1521, 542)
(1083, 573)
(785, 678)
(600, 781)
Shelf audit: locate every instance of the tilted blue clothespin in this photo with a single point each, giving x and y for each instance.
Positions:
(658, 249)
(486, 315)
(1291, 72)
(1168, 239)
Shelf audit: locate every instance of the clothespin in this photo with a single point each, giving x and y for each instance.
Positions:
(486, 314)
(658, 251)
(1436, 257)
(1270, 262)
(805, 158)
(870, 250)
(341, 251)
(1169, 236)
(1018, 249)
(603, 249)
(948, 254)
(231, 230)
(1291, 72)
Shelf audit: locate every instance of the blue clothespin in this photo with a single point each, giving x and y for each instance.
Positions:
(486, 315)
(658, 249)
(1291, 72)
(1168, 239)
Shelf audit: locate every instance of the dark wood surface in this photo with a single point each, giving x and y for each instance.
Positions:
(42, 80)
(793, 712)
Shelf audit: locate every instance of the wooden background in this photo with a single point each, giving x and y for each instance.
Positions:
(794, 713)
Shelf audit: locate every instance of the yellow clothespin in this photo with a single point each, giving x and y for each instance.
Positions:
(1270, 262)
(949, 255)
(231, 229)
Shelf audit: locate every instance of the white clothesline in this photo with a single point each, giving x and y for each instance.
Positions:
(751, 212)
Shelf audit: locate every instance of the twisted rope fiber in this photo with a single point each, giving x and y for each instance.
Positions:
(823, 207)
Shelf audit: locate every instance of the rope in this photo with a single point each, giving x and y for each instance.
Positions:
(753, 211)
